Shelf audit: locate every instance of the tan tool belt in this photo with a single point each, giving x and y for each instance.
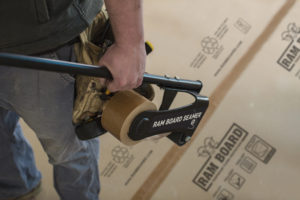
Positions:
(88, 89)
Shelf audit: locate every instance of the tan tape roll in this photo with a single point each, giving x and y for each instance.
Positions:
(119, 112)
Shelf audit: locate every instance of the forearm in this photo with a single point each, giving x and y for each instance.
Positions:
(127, 21)
(126, 58)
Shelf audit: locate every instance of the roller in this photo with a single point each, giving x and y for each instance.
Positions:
(120, 111)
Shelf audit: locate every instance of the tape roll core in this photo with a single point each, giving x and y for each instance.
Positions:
(119, 112)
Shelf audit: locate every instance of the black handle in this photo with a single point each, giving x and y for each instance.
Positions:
(174, 83)
(45, 64)
(37, 63)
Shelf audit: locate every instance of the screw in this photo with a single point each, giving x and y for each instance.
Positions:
(187, 138)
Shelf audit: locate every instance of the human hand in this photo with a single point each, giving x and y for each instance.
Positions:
(126, 64)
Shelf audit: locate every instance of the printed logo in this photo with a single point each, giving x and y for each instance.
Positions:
(248, 164)
(242, 25)
(209, 45)
(184, 118)
(120, 154)
(217, 155)
(120, 157)
(260, 149)
(193, 123)
(291, 33)
(236, 181)
(225, 195)
(209, 147)
(290, 56)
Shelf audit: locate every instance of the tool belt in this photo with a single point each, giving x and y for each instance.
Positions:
(89, 89)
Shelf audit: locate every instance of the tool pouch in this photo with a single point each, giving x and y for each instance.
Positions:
(89, 89)
(94, 41)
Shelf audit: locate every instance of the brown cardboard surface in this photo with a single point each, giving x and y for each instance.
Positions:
(249, 148)
(203, 40)
(193, 40)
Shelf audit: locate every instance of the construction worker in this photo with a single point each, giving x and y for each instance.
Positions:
(48, 29)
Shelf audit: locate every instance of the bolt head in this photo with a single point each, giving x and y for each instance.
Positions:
(187, 138)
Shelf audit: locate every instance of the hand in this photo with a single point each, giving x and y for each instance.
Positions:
(126, 64)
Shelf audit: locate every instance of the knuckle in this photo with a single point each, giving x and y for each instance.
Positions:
(111, 87)
(139, 82)
(122, 83)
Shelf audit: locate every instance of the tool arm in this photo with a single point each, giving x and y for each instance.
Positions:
(192, 113)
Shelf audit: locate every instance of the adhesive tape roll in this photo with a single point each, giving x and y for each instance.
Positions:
(119, 112)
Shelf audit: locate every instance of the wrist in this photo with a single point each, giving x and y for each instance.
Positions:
(130, 44)
(131, 36)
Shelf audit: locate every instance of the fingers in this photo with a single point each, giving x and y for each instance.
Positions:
(125, 83)
(103, 82)
(127, 66)
(139, 82)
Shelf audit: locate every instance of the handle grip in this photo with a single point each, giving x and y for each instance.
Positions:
(37, 63)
